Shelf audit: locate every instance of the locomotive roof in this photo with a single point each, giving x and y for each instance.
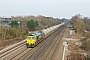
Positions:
(35, 34)
(38, 33)
(31, 34)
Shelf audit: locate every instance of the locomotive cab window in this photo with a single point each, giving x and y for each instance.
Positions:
(28, 37)
(33, 38)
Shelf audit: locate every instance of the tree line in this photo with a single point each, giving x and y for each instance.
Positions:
(82, 27)
(19, 26)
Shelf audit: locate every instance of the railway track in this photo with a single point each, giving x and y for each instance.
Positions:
(22, 53)
(11, 50)
(40, 53)
(50, 52)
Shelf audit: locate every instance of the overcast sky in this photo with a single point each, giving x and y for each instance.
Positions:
(54, 8)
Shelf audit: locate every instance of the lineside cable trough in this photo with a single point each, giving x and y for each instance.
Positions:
(65, 49)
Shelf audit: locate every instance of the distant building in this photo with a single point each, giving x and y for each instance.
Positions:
(5, 21)
(71, 32)
(5, 18)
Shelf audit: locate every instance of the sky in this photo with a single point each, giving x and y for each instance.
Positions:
(51, 8)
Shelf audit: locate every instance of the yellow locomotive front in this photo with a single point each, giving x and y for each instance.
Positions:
(31, 40)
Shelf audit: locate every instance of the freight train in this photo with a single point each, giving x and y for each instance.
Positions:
(33, 39)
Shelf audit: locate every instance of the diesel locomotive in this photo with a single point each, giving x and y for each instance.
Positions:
(33, 39)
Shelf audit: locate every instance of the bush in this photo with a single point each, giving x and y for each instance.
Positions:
(86, 45)
(10, 33)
